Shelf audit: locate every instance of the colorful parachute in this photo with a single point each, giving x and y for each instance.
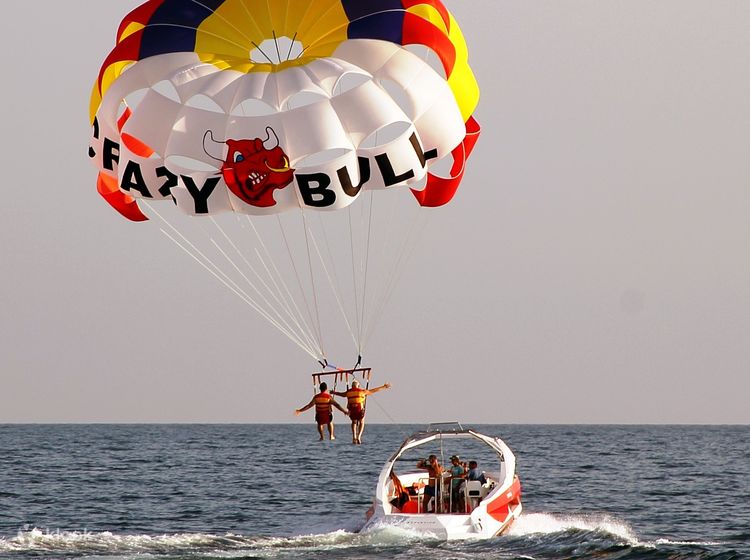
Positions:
(261, 107)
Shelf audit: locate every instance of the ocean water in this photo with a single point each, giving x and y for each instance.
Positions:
(275, 492)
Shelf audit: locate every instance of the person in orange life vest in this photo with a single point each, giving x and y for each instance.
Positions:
(323, 403)
(355, 403)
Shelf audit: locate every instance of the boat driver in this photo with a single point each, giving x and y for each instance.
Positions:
(474, 473)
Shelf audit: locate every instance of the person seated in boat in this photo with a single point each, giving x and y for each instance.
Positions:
(474, 473)
(323, 403)
(355, 403)
(434, 482)
(401, 495)
(457, 471)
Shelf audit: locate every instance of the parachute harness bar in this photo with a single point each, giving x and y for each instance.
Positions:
(343, 375)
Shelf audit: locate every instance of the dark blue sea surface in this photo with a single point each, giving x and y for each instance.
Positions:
(274, 491)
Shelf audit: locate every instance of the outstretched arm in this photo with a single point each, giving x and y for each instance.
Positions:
(306, 407)
(376, 389)
(337, 405)
(338, 393)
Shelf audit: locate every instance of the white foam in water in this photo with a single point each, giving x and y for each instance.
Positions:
(687, 543)
(377, 536)
(105, 542)
(39, 540)
(36, 539)
(546, 523)
(386, 534)
(324, 540)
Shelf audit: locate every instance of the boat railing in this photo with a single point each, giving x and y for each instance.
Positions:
(445, 427)
(448, 497)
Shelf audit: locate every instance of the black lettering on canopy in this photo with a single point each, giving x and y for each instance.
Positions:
(171, 181)
(346, 180)
(111, 154)
(422, 155)
(92, 152)
(389, 175)
(200, 195)
(132, 179)
(386, 167)
(318, 196)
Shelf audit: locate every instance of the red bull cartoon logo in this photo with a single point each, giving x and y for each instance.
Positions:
(252, 169)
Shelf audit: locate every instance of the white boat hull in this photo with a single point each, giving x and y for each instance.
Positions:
(445, 526)
(491, 506)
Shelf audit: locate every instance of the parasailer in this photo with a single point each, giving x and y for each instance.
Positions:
(333, 113)
(356, 397)
(324, 404)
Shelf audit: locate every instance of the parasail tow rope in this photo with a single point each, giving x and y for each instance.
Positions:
(384, 411)
(189, 248)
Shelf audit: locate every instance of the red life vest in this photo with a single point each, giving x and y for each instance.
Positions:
(356, 396)
(323, 402)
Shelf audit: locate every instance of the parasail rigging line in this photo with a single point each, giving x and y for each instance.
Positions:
(299, 320)
(389, 246)
(261, 52)
(277, 278)
(200, 257)
(312, 278)
(406, 253)
(367, 266)
(276, 43)
(281, 305)
(333, 287)
(337, 286)
(354, 275)
(299, 283)
(206, 263)
(291, 45)
(257, 291)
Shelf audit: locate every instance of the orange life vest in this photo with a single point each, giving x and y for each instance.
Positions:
(323, 402)
(356, 396)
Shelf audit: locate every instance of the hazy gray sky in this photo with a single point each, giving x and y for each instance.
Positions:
(594, 267)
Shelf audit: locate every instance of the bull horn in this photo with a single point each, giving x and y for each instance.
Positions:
(213, 148)
(281, 169)
(269, 144)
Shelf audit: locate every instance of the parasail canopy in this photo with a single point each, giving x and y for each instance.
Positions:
(258, 108)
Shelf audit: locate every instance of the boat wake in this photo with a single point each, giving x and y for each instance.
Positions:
(604, 525)
(546, 523)
(38, 541)
(531, 534)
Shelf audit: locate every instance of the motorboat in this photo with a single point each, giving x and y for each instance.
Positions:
(448, 506)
